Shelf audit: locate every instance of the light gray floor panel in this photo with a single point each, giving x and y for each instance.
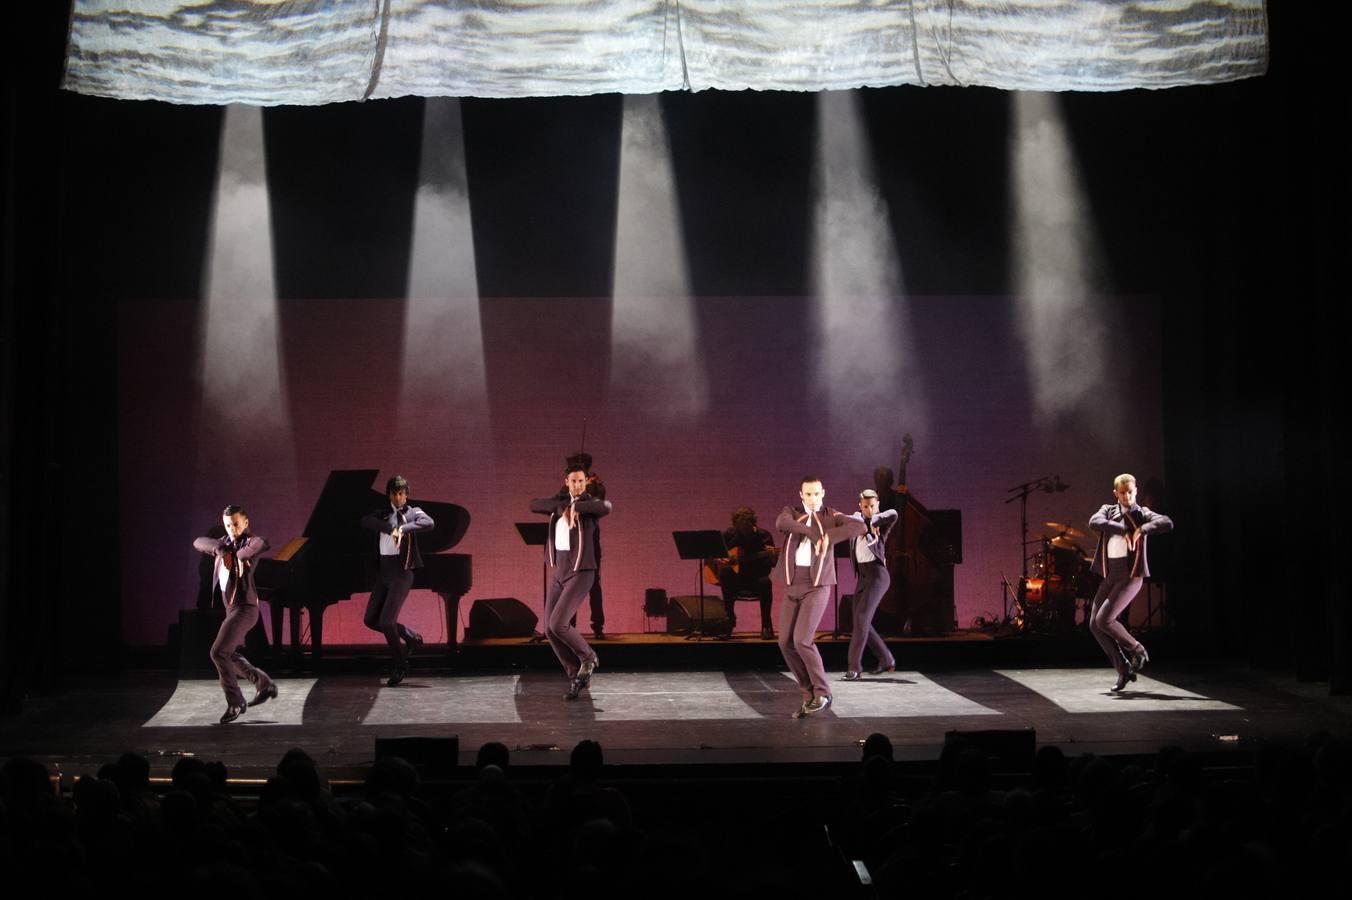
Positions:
(896, 695)
(660, 696)
(1088, 691)
(479, 699)
(201, 702)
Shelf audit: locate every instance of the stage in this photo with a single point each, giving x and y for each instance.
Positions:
(728, 716)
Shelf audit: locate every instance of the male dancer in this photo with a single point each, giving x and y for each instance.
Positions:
(807, 572)
(397, 549)
(233, 580)
(570, 550)
(755, 550)
(869, 554)
(1120, 559)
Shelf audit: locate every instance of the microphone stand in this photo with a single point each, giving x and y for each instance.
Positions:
(1047, 484)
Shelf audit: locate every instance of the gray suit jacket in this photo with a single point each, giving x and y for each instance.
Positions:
(880, 526)
(835, 526)
(239, 588)
(581, 537)
(1109, 520)
(415, 520)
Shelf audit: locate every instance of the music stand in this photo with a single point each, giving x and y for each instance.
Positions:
(534, 534)
(703, 546)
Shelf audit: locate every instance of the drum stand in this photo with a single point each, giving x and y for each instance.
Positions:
(1010, 599)
(1151, 607)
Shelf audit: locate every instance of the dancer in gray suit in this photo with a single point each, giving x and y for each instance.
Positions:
(868, 552)
(397, 555)
(232, 580)
(1120, 559)
(570, 550)
(807, 570)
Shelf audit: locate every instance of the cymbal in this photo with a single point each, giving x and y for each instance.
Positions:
(1066, 543)
(1066, 529)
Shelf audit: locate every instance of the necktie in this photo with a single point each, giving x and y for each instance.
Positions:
(406, 542)
(231, 560)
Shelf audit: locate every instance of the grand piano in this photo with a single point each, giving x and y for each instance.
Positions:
(334, 558)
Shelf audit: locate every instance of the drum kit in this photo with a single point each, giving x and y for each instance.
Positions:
(1058, 576)
(1055, 574)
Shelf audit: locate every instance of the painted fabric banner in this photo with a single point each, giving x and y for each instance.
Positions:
(309, 52)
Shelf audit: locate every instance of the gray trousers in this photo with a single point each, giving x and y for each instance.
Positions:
(230, 663)
(393, 582)
(868, 593)
(566, 592)
(1114, 595)
(799, 616)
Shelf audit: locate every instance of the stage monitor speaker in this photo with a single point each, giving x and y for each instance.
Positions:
(948, 530)
(884, 622)
(434, 755)
(683, 615)
(655, 602)
(1009, 749)
(501, 617)
(196, 632)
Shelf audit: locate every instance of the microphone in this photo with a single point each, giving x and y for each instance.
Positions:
(1055, 485)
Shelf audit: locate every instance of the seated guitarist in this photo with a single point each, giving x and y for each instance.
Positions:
(747, 569)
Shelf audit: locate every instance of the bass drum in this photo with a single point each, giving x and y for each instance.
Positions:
(1071, 569)
(1065, 562)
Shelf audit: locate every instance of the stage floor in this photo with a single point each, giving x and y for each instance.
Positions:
(666, 717)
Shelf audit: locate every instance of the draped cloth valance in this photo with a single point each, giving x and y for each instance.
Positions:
(270, 52)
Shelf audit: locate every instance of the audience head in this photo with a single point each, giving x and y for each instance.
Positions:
(878, 744)
(586, 759)
(493, 753)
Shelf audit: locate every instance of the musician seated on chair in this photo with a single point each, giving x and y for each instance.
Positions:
(746, 571)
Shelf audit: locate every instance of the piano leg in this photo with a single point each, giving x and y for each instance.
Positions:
(451, 604)
(275, 610)
(316, 632)
(297, 649)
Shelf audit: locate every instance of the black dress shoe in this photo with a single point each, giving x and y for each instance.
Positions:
(1122, 679)
(574, 688)
(1138, 660)
(882, 670)
(767, 634)
(264, 694)
(397, 676)
(584, 673)
(851, 676)
(800, 711)
(816, 704)
(231, 714)
(411, 643)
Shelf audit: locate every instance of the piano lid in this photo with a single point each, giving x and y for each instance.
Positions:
(348, 495)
